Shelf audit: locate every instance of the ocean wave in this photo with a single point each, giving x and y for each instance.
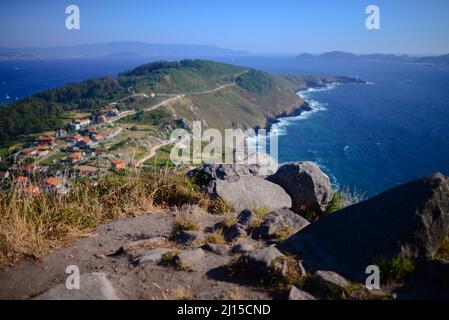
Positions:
(279, 128)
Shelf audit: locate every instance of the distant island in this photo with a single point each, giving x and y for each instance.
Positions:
(348, 56)
(115, 50)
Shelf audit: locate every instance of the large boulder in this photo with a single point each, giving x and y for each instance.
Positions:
(308, 186)
(243, 192)
(409, 221)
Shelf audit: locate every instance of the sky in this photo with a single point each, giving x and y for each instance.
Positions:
(257, 26)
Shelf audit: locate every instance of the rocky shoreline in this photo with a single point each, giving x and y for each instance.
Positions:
(305, 105)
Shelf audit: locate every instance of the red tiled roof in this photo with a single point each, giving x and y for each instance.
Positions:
(21, 179)
(32, 190)
(75, 156)
(52, 181)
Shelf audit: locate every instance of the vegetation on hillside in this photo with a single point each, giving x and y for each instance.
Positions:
(32, 226)
(255, 81)
(48, 110)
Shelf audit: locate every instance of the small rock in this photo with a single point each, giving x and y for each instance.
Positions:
(93, 286)
(220, 249)
(235, 232)
(266, 261)
(246, 217)
(154, 255)
(330, 280)
(187, 237)
(190, 259)
(281, 220)
(242, 248)
(296, 294)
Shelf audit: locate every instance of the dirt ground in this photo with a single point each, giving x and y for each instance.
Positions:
(28, 278)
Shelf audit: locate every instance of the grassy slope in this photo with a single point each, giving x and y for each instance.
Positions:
(48, 110)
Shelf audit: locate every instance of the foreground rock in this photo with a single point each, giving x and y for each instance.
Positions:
(250, 192)
(430, 283)
(154, 255)
(187, 237)
(308, 187)
(410, 221)
(329, 280)
(296, 294)
(267, 261)
(93, 286)
(242, 248)
(281, 222)
(220, 249)
(190, 259)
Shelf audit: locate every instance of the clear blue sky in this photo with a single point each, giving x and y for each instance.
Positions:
(258, 26)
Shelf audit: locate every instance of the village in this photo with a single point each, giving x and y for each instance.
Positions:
(85, 147)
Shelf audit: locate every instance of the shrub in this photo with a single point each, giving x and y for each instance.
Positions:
(396, 269)
(184, 223)
(219, 206)
(33, 226)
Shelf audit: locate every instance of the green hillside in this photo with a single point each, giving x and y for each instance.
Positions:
(248, 96)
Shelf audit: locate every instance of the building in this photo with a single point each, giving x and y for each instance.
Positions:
(28, 152)
(32, 190)
(76, 138)
(21, 180)
(78, 124)
(118, 165)
(85, 142)
(43, 153)
(74, 126)
(101, 119)
(60, 134)
(112, 112)
(75, 157)
(46, 140)
(51, 184)
(97, 137)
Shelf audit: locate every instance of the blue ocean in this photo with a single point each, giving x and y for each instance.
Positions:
(369, 137)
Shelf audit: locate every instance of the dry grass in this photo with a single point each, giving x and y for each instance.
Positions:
(184, 223)
(177, 293)
(261, 213)
(219, 206)
(34, 226)
(215, 237)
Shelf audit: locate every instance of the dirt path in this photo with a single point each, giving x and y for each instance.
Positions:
(152, 153)
(29, 278)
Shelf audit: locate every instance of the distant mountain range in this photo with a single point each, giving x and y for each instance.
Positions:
(117, 50)
(444, 59)
(347, 56)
